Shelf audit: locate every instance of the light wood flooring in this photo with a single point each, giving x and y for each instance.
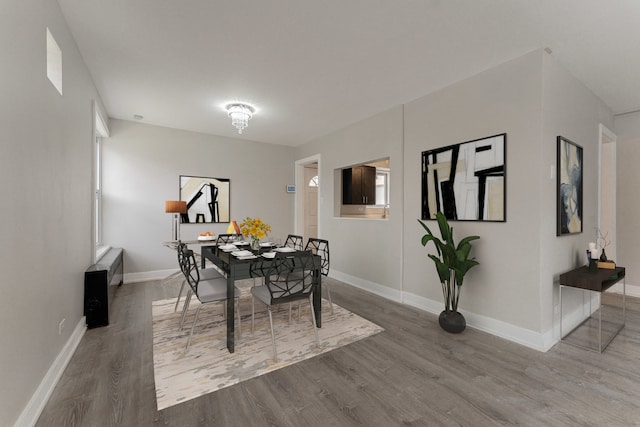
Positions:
(413, 374)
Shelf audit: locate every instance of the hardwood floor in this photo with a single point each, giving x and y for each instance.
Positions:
(412, 374)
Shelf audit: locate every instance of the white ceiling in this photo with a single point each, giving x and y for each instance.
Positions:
(315, 66)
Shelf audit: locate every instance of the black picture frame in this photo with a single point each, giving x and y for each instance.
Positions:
(208, 199)
(569, 177)
(466, 181)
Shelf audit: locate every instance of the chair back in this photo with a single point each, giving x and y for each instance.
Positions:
(320, 247)
(189, 267)
(290, 277)
(294, 241)
(182, 247)
(223, 239)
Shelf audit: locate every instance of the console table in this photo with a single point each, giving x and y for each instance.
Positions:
(594, 280)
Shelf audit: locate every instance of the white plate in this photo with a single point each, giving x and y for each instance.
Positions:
(228, 248)
(284, 249)
(266, 244)
(247, 257)
(240, 243)
(269, 255)
(242, 254)
(205, 238)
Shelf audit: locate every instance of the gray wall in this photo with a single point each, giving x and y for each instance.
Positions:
(503, 99)
(513, 293)
(574, 112)
(366, 253)
(45, 177)
(141, 169)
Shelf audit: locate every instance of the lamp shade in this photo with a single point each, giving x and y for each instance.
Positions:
(175, 206)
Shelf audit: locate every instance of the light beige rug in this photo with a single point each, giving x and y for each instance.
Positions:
(208, 366)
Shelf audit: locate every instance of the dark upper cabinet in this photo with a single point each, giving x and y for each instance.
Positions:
(359, 185)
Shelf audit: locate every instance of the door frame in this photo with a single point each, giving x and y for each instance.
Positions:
(298, 211)
(606, 137)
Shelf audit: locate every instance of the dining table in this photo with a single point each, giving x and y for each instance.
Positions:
(255, 263)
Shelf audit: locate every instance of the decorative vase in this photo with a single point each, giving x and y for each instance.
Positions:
(603, 256)
(255, 244)
(452, 321)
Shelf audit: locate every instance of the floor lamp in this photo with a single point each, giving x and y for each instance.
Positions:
(175, 207)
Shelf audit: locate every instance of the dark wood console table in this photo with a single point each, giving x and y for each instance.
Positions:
(594, 280)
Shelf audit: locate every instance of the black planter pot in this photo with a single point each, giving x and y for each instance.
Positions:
(452, 322)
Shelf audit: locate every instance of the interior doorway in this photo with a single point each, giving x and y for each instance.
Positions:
(307, 200)
(607, 167)
(311, 201)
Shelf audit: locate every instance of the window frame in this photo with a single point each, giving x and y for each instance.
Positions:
(101, 131)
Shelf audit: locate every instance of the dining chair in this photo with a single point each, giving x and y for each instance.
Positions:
(207, 291)
(282, 287)
(321, 247)
(205, 273)
(294, 241)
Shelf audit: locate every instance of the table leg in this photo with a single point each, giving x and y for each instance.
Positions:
(231, 316)
(560, 302)
(317, 297)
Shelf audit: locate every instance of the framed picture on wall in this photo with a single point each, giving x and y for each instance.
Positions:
(466, 181)
(207, 199)
(569, 191)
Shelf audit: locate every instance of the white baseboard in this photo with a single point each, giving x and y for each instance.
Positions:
(146, 276)
(631, 290)
(32, 411)
(526, 337)
(492, 326)
(374, 288)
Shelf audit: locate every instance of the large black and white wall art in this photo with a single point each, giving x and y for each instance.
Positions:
(466, 181)
(207, 199)
(569, 191)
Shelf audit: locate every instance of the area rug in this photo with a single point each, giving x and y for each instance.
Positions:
(208, 366)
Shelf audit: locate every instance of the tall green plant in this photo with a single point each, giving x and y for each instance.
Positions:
(452, 261)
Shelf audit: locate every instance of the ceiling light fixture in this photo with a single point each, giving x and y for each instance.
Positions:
(240, 114)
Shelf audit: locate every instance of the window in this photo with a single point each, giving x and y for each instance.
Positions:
(98, 192)
(382, 187)
(101, 132)
(313, 182)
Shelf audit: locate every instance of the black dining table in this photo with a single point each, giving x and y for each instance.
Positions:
(238, 269)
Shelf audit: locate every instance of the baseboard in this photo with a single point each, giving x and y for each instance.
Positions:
(32, 411)
(374, 288)
(501, 329)
(146, 276)
(526, 337)
(631, 290)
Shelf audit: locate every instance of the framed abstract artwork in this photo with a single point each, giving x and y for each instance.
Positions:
(466, 181)
(207, 199)
(569, 191)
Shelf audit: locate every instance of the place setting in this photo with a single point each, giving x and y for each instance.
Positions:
(243, 254)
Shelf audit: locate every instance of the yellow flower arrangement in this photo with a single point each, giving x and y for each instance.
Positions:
(254, 228)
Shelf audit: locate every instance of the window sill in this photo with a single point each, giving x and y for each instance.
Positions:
(100, 251)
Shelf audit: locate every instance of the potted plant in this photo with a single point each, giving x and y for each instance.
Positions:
(452, 263)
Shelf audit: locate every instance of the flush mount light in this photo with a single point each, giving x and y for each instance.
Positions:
(240, 114)
(138, 117)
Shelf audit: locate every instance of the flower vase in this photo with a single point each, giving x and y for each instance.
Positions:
(255, 244)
